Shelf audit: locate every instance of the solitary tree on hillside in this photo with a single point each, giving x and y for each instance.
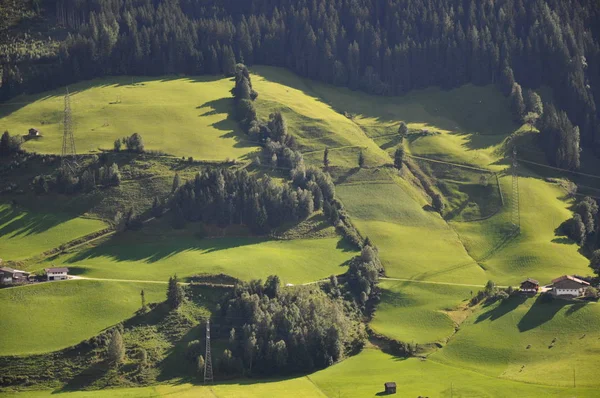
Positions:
(200, 365)
(176, 183)
(144, 307)
(534, 103)
(438, 203)
(174, 293)
(403, 129)
(399, 157)
(517, 104)
(531, 118)
(326, 158)
(361, 159)
(116, 349)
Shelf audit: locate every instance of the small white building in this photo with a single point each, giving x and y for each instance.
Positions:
(568, 285)
(57, 274)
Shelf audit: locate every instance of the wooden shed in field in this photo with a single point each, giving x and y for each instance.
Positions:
(390, 387)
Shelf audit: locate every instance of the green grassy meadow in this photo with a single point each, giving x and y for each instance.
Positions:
(415, 312)
(295, 387)
(488, 354)
(179, 116)
(156, 252)
(514, 340)
(50, 316)
(364, 374)
(413, 243)
(25, 233)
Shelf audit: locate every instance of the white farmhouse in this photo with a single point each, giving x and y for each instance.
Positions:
(568, 285)
(57, 274)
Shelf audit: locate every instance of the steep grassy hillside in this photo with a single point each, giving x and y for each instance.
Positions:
(158, 251)
(179, 116)
(416, 312)
(297, 387)
(537, 252)
(530, 340)
(51, 316)
(364, 375)
(313, 121)
(413, 242)
(24, 233)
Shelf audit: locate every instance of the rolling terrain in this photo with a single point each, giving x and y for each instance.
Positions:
(471, 242)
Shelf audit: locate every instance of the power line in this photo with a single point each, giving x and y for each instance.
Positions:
(68, 144)
(515, 211)
(208, 371)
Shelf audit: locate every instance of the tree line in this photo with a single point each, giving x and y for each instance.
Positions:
(381, 47)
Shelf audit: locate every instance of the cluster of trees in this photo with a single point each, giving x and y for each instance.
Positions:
(226, 197)
(287, 330)
(9, 144)
(363, 276)
(384, 48)
(133, 143)
(583, 226)
(72, 180)
(559, 138)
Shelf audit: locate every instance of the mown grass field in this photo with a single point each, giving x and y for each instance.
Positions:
(413, 243)
(364, 375)
(529, 340)
(416, 312)
(537, 252)
(294, 387)
(179, 116)
(468, 126)
(157, 251)
(51, 316)
(312, 120)
(25, 233)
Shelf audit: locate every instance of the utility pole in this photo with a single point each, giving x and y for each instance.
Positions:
(208, 371)
(68, 153)
(573, 377)
(515, 211)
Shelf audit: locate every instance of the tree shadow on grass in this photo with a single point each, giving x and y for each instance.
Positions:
(127, 247)
(541, 312)
(502, 309)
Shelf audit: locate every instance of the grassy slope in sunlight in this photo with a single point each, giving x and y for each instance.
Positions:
(54, 315)
(27, 233)
(179, 116)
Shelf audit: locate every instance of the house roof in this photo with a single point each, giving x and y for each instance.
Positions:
(531, 281)
(57, 269)
(7, 269)
(570, 278)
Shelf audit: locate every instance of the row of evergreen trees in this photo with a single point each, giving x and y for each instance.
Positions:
(225, 197)
(382, 47)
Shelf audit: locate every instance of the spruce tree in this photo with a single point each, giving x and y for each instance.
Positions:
(361, 159)
(116, 349)
(399, 157)
(326, 158)
(517, 104)
(402, 129)
(174, 293)
(144, 308)
(176, 183)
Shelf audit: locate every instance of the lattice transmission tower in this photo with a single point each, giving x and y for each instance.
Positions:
(208, 371)
(68, 159)
(515, 211)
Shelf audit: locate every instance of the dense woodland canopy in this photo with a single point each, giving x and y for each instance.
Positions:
(381, 47)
